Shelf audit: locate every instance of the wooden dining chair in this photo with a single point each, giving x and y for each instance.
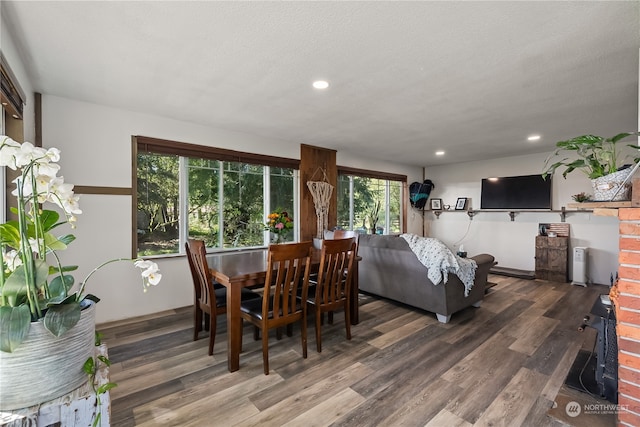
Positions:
(333, 287)
(283, 299)
(210, 300)
(198, 315)
(344, 234)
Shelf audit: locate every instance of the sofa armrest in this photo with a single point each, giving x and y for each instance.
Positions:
(485, 262)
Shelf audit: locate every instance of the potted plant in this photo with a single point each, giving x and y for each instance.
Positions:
(279, 224)
(599, 159)
(47, 329)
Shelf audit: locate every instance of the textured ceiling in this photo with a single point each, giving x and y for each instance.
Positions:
(407, 78)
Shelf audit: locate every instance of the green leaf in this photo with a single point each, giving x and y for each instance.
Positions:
(10, 235)
(92, 297)
(48, 219)
(89, 366)
(14, 326)
(53, 243)
(58, 287)
(67, 238)
(54, 269)
(61, 317)
(16, 284)
(106, 387)
(104, 360)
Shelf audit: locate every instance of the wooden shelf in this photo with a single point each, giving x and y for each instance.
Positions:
(512, 212)
(601, 208)
(594, 205)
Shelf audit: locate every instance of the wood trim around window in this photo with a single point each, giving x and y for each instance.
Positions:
(346, 170)
(113, 191)
(163, 146)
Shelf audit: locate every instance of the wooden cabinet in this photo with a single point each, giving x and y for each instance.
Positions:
(552, 255)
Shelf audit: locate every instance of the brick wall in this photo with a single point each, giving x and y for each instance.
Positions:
(627, 298)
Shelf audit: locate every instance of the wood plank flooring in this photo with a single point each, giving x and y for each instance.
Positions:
(502, 364)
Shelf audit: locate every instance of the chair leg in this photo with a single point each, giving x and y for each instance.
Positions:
(197, 322)
(265, 351)
(207, 321)
(318, 326)
(256, 333)
(278, 334)
(290, 330)
(303, 334)
(212, 333)
(347, 320)
(331, 317)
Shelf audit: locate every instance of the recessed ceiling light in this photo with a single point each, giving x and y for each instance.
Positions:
(321, 84)
(440, 153)
(533, 138)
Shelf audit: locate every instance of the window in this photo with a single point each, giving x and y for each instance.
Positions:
(358, 193)
(219, 196)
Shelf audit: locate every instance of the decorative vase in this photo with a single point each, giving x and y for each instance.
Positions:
(45, 367)
(277, 238)
(608, 188)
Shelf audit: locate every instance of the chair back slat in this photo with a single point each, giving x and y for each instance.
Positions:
(288, 267)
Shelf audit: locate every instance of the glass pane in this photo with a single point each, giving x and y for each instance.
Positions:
(395, 207)
(157, 204)
(243, 205)
(203, 201)
(281, 193)
(344, 198)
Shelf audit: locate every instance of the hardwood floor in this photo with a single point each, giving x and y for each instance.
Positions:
(501, 364)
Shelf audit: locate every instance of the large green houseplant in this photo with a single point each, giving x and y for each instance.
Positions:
(36, 294)
(598, 158)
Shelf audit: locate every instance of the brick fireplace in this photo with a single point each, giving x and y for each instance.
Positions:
(628, 317)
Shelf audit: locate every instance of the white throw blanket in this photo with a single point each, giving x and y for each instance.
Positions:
(440, 261)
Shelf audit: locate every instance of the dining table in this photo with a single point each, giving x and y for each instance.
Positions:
(248, 268)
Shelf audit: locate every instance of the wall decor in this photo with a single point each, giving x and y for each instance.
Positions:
(461, 203)
(436, 204)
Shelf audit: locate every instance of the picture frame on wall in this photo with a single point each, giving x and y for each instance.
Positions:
(461, 203)
(436, 204)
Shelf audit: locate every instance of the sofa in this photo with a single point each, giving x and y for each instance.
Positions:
(390, 269)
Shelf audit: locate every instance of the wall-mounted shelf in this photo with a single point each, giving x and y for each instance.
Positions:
(512, 212)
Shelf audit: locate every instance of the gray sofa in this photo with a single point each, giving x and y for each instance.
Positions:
(390, 269)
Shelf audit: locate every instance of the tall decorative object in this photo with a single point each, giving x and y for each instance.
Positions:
(321, 192)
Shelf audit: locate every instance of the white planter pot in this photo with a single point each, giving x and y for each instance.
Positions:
(44, 367)
(606, 187)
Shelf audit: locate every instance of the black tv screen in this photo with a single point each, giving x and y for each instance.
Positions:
(516, 192)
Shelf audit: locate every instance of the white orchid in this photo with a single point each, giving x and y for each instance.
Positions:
(29, 283)
(11, 260)
(150, 275)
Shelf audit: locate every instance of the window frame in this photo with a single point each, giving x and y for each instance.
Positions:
(387, 176)
(184, 150)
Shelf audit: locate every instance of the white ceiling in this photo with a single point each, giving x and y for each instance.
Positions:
(407, 78)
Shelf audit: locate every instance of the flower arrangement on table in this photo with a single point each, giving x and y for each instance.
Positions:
(279, 223)
(30, 288)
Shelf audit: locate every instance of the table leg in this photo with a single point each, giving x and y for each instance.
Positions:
(234, 327)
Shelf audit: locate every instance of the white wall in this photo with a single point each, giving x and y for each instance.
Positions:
(10, 52)
(96, 150)
(513, 243)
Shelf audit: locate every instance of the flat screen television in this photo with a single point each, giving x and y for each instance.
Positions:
(516, 192)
